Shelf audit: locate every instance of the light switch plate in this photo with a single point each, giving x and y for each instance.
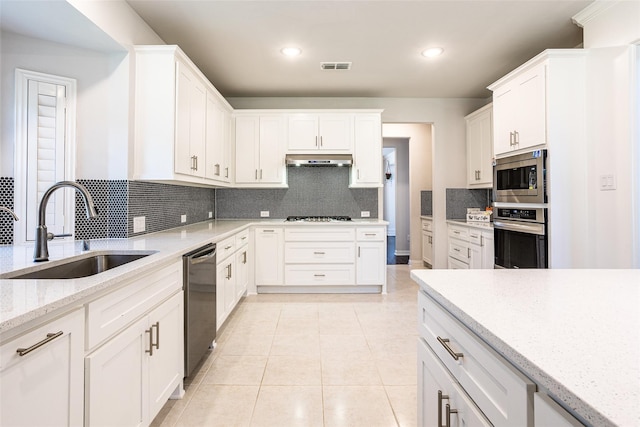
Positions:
(364, 214)
(264, 214)
(139, 224)
(607, 182)
(183, 218)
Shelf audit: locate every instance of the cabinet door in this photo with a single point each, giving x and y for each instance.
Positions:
(242, 275)
(114, 392)
(436, 390)
(247, 154)
(504, 119)
(303, 132)
(367, 168)
(480, 149)
(269, 257)
(44, 387)
(225, 290)
(549, 413)
(191, 108)
(166, 364)
(335, 132)
(488, 259)
(531, 108)
(271, 164)
(215, 139)
(371, 263)
(475, 256)
(427, 247)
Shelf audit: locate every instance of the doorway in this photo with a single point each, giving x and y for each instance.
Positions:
(395, 154)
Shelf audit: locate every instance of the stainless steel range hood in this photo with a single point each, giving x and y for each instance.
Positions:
(319, 159)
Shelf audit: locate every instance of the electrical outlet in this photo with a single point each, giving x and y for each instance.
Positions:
(210, 214)
(139, 224)
(183, 218)
(264, 214)
(364, 214)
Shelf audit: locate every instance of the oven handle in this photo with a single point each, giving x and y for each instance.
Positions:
(520, 227)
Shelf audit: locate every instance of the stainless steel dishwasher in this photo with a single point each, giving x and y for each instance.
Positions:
(199, 304)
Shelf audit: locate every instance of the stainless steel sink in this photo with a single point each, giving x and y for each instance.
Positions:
(77, 267)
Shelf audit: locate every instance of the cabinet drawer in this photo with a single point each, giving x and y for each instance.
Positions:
(459, 232)
(370, 233)
(303, 275)
(494, 384)
(225, 248)
(319, 252)
(475, 236)
(427, 225)
(315, 233)
(459, 250)
(242, 238)
(455, 264)
(116, 310)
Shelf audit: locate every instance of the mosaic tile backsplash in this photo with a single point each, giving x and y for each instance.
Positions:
(6, 220)
(426, 202)
(459, 199)
(312, 191)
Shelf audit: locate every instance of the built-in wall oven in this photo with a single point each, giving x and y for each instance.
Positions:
(521, 178)
(520, 237)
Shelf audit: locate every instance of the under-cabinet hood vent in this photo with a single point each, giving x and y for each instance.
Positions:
(319, 160)
(335, 65)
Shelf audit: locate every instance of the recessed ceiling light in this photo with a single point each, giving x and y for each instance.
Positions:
(291, 51)
(432, 52)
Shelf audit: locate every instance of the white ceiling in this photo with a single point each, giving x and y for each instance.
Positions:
(237, 43)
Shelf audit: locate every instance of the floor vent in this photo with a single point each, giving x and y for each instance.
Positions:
(335, 65)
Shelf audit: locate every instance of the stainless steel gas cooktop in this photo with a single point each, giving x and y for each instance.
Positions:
(318, 218)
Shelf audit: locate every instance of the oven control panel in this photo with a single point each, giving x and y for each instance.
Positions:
(533, 215)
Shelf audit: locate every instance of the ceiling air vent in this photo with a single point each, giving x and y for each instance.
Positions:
(335, 65)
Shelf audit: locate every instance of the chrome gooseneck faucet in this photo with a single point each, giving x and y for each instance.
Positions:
(41, 252)
(13, 214)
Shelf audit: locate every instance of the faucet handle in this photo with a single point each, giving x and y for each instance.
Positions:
(51, 236)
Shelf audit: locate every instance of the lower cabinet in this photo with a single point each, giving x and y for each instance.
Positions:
(427, 242)
(549, 413)
(232, 274)
(225, 289)
(269, 256)
(130, 378)
(371, 259)
(470, 246)
(42, 374)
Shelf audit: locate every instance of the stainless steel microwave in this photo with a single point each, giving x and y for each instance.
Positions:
(521, 178)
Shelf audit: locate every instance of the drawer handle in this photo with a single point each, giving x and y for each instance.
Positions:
(475, 236)
(441, 397)
(244, 238)
(444, 342)
(318, 253)
(50, 337)
(268, 231)
(226, 248)
(456, 232)
(318, 275)
(449, 411)
(369, 234)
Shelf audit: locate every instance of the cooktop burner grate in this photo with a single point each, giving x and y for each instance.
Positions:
(318, 218)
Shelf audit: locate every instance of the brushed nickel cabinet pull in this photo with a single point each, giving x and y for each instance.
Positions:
(468, 252)
(226, 248)
(358, 251)
(318, 253)
(244, 257)
(449, 411)
(256, 174)
(268, 231)
(157, 326)
(150, 332)
(444, 342)
(516, 138)
(321, 142)
(318, 275)
(226, 172)
(50, 337)
(441, 397)
(217, 172)
(260, 173)
(316, 140)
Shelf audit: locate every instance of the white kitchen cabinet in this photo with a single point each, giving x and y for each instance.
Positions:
(371, 259)
(130, 378)
(309, 132)
(259, 150)
(225, 289)
(480, 147)
(489, 382)
(441, 401)
(549, 413)
(171, 101)
(488, 250)
(269, 256)
(427, 242)
(218, 141)
(367, 155)
(43, 387)
(538, 105)
(232, 273)
(242, 263)
(470, 246)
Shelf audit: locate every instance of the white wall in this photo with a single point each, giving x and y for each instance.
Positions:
(449, 158)
(102, 103)
(612, 33)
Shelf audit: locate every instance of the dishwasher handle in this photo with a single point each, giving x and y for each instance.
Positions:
(203, 254)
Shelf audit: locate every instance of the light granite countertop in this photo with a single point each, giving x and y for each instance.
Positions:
(24, 300)
(575, 333)
(479, 225)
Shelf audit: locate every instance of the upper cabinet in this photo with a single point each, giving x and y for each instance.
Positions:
(259, 150)
(480, 147)
(530, 102)
(180, 120)
(367, 154)
(324, 131)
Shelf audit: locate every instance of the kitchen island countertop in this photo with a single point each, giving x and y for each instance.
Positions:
(575, 333)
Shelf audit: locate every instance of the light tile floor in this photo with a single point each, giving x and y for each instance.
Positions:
(309, 360)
